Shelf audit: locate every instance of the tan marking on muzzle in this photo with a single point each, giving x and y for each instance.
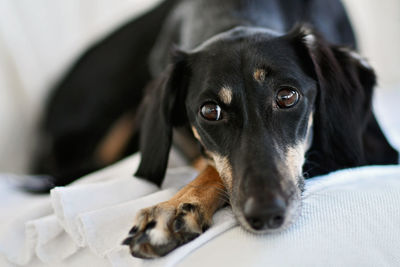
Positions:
(224, 169)
(196, 133)
(295, 160)
(225, 94)
(309, 135)
(295, 155)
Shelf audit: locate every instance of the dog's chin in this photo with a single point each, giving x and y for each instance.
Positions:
(292, 213)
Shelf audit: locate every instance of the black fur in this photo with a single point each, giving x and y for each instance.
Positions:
(346, 133)
(106, 82)
(162, 110)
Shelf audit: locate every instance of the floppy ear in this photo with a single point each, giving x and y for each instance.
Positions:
(343, 105)
(162, 109)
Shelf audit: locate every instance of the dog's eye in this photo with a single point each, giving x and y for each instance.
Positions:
(287, 97)
(211, 111)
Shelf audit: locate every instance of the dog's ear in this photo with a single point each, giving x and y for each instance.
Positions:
(162, 109)
(343, 106)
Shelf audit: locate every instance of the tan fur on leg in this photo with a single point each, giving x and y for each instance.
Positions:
(205, 190)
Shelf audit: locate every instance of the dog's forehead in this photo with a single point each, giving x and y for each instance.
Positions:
(230, 65)
(243, 49)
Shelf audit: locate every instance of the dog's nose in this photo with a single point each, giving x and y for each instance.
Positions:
(265, 213)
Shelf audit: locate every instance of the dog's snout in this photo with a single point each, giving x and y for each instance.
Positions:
(266, 212)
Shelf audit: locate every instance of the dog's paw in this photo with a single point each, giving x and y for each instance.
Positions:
(160, 229)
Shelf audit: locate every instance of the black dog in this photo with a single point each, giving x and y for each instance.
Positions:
(269, 103)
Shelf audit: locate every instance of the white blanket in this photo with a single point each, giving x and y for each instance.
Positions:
(349, 218)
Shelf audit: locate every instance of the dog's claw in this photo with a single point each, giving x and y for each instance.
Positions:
(127, 241)
(133, 230)
(160, 229)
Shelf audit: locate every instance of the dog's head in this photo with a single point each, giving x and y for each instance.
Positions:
(261, 105)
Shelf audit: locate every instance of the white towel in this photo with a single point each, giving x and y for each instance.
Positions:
(68, 203)
(17, 209)
(95, 212)
(52, 242)
(41, 234)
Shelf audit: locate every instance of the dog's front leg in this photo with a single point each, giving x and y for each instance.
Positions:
(159, 229)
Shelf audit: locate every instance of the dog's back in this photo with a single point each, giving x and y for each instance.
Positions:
(105, 84)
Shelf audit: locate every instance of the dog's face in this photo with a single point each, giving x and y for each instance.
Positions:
(254, 99)
(250, 104)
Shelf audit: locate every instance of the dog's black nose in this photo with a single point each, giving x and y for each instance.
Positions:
(266, 212)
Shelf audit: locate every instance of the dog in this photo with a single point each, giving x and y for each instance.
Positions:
(268, 92)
